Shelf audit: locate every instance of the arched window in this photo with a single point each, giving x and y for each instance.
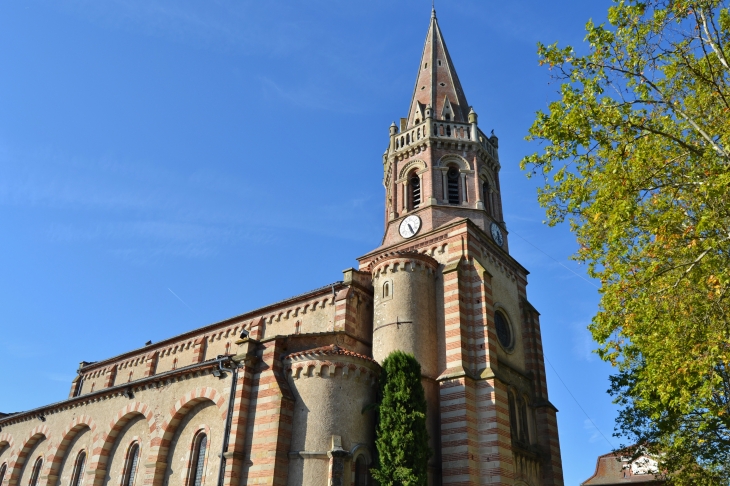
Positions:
(408, 138)
(448, 129)
(512, 415)
(452, 177)
(130, 467)
(415, 185)
(361, 471)
(524, 431)
(78, 473)
(386, 289)
(3, 468)
(200, 443)
(487, 196)
(36, 472)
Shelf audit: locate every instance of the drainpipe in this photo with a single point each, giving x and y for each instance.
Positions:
(229, 417)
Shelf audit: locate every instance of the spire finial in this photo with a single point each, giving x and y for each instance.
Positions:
(433, 9)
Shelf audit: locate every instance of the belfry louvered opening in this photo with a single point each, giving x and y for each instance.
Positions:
(415, 185)
(452, 179)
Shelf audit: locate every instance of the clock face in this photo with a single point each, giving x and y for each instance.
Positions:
(497, 234)
(410, 226)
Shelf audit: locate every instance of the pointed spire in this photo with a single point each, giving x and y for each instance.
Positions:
(437, 82)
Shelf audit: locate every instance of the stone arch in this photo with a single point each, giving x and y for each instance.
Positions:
(100, 455)
(454, 159)
(361, 450)
(417, 164)
(357, 452)
(484, 173)
(6, 440)
(6, 444)
(161, 442)
(17, 460)
(58, 452)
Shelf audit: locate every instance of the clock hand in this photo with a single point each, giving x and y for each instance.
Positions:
(410, 228)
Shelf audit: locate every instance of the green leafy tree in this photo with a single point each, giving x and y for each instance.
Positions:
(401, 437)
(636, 157)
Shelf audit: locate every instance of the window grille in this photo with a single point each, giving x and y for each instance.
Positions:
(415, 191)
(453, 185)
(130, 470)
(201, 443)
(78, 473)
(36, 472)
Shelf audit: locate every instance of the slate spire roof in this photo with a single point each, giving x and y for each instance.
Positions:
(437, 84)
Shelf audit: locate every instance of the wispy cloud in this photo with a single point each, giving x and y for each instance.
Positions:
(595, 434)
(313, 96)
(583, 344)
(140, 212)
(59, 377)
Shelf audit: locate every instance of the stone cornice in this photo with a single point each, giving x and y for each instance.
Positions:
(106, 393)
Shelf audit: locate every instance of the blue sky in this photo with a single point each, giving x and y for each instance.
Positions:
(164, 165)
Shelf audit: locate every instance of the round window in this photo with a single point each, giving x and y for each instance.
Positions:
(504, 331)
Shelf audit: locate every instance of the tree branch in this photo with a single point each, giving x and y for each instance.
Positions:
(718, 51)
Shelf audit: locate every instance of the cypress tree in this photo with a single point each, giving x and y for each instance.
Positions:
(401, 437)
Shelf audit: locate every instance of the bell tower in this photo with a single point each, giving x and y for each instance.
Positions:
(439, 165)
(446, 290)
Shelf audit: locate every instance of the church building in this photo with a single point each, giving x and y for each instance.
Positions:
(281, 395)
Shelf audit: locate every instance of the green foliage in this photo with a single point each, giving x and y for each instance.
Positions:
(401, 437)
(636, 157)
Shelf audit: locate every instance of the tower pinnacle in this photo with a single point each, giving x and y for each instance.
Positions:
(437, 83)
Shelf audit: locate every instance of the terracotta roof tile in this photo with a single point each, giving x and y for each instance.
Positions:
(332, 349)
